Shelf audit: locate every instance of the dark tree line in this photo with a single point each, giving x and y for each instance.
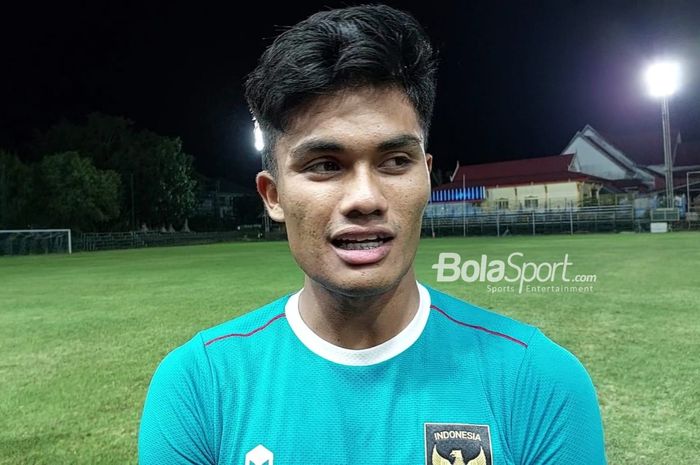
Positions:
(101, 174)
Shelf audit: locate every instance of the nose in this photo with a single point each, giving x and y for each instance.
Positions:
(363, 193)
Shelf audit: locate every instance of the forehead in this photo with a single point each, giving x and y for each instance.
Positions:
(366, 116)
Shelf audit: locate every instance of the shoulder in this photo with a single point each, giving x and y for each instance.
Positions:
(249, 324)
(548, 363)
(492, 327)
(524, 347)
(193, 356)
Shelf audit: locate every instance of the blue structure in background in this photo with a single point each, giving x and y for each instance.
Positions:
(455, 202)
(458, 194)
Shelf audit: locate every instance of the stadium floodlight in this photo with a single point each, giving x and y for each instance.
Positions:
(663, 80)
(257, 134)
(259, 146)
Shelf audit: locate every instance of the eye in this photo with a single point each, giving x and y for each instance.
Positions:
(397, 163)
(323, 167)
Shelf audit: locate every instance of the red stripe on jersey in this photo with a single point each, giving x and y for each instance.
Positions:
(226, 336)
(480, 328)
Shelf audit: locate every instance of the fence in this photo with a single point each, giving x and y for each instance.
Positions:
(563, 221)
(497, 223)
(137, 239)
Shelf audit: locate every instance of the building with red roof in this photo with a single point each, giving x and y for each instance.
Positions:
(588, 165)
(542, 182)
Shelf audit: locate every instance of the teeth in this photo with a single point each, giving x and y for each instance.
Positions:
(360, 245)
(361, 238)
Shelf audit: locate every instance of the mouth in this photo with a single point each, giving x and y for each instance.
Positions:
(372, 242)
(362, 247)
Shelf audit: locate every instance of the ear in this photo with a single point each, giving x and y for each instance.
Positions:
(429, 162)
(267, 188)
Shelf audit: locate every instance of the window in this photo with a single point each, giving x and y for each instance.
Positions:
(502, 204)
(531, 203)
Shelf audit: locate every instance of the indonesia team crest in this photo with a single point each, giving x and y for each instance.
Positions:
(457, 444)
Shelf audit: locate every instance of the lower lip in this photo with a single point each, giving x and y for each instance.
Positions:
(364, 257)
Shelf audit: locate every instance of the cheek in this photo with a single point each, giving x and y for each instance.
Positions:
(409, 206)
(304, 219)
(295, 212)
(422, 195)
(417, 196)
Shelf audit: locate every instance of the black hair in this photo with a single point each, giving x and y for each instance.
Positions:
(354, 47)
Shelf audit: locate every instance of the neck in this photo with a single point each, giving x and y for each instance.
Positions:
(359, 322)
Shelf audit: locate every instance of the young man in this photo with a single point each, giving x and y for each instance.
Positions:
(363, 364)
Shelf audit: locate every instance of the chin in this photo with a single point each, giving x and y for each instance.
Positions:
(360, 282)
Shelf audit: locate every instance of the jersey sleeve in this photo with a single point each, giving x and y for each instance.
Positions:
(556, 418)
(177, 424)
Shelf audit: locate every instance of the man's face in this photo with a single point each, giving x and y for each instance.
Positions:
(352, 183)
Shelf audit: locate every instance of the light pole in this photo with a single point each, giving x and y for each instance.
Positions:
(663, 80)
(259, 146)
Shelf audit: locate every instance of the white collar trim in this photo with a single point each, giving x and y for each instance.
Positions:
(361, 357)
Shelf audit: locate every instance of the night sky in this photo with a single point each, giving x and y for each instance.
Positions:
(517, 79)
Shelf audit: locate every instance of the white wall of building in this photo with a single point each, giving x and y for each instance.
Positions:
(590, 160)
(548, 195)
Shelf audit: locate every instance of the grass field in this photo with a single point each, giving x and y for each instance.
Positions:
(81, 335)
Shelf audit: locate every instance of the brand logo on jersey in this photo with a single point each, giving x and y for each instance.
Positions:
(457, 444)
(259, 455)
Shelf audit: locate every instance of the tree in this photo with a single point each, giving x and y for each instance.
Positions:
(72, 192)
(107, 140)
(15, 192)
(167, 186)
(154, 166)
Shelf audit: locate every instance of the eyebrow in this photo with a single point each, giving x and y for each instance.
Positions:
(328, 145)
(400, 142)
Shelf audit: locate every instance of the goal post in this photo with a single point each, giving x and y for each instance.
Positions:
(33, 241)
